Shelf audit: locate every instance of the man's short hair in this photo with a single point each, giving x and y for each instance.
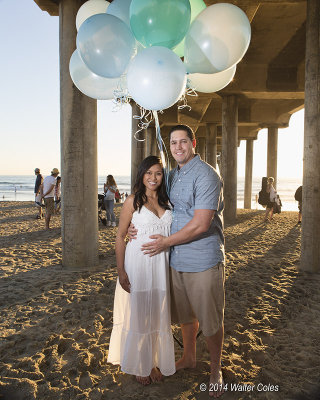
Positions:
(185, 128)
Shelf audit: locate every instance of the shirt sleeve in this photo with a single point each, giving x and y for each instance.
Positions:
(208, 191)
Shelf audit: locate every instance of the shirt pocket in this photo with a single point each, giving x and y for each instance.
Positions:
(187, 194)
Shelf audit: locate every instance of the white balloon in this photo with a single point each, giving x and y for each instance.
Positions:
(156, 78)
(90, 84)
(208, 83)
(89, 8)
(217, 39)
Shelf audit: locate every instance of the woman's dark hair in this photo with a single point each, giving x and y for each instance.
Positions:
(139, 189)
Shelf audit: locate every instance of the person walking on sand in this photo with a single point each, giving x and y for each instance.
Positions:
(197, 272)
(298, 198)
(37, 194)
(141, 340)
(110, 188)
(270, 204)
(48, 186)
(57, 195)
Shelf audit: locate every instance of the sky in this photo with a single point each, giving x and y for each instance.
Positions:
(29, 106)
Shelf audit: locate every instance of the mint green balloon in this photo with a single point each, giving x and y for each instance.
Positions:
(160, 22)
(196, 7)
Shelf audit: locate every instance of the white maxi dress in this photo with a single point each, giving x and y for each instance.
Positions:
(141, 337)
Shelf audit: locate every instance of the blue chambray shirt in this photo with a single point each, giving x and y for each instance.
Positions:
(196, 186)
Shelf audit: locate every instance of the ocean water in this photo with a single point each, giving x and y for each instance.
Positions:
(21, 187)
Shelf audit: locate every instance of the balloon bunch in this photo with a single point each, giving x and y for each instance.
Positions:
(134, 47)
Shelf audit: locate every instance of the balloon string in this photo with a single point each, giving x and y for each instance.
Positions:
(190, 91)
(163, 151)
(120, 94)
(145, 118)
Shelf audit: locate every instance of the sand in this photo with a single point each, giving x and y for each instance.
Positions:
(55, 323)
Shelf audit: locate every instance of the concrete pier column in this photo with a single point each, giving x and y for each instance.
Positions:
(229, 156)
(272, 156)
(79, 171)
(201, 147)
(137, 146)
(148, 142)
(154, 145)
(310, 249)
(211, 144)
(248, 174)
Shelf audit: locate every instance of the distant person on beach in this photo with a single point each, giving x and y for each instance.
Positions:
(197, 272)
(110, 188)
(298, 198)
(141, 340)
(48, 194)
(37, 194)
(272, 199)
(57, 195)
(117, 196)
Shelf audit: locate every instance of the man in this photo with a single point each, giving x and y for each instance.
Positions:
(37, 195)
(197, 253)
(48, 194)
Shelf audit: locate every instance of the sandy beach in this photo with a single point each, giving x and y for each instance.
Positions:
(55, 322)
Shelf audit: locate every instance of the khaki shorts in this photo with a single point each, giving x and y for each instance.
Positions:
(49, 203)
(198, 296)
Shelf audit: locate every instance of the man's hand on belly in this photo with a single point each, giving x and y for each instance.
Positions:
(159, 244)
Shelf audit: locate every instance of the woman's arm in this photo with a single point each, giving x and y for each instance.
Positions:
(124, 222)
(111, 189)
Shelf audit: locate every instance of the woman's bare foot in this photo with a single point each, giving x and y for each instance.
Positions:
(184, 363)
(144, 380)
(216, 385)
(156, 375)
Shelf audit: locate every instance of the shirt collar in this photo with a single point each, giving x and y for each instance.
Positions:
(187, 167)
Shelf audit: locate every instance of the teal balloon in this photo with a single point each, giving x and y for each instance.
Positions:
(196, 7)
(106, 45)
(160, 22)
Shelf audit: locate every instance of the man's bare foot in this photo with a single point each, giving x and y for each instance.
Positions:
(184, 363)
(156, 375)
(144, 380)
(216, 385)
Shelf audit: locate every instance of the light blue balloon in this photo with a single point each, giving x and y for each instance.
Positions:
(121, 10)
(106, 45)
(90, 84)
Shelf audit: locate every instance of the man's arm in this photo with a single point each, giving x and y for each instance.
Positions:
(199, 224)
(51, 188)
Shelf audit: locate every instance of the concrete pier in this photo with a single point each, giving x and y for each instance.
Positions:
(229, 156)
(137, 146)
(310, 249)
(272, 156)
(248, 174)
(78, 121)
(211, 144)
(148, 142)
(201, 147)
